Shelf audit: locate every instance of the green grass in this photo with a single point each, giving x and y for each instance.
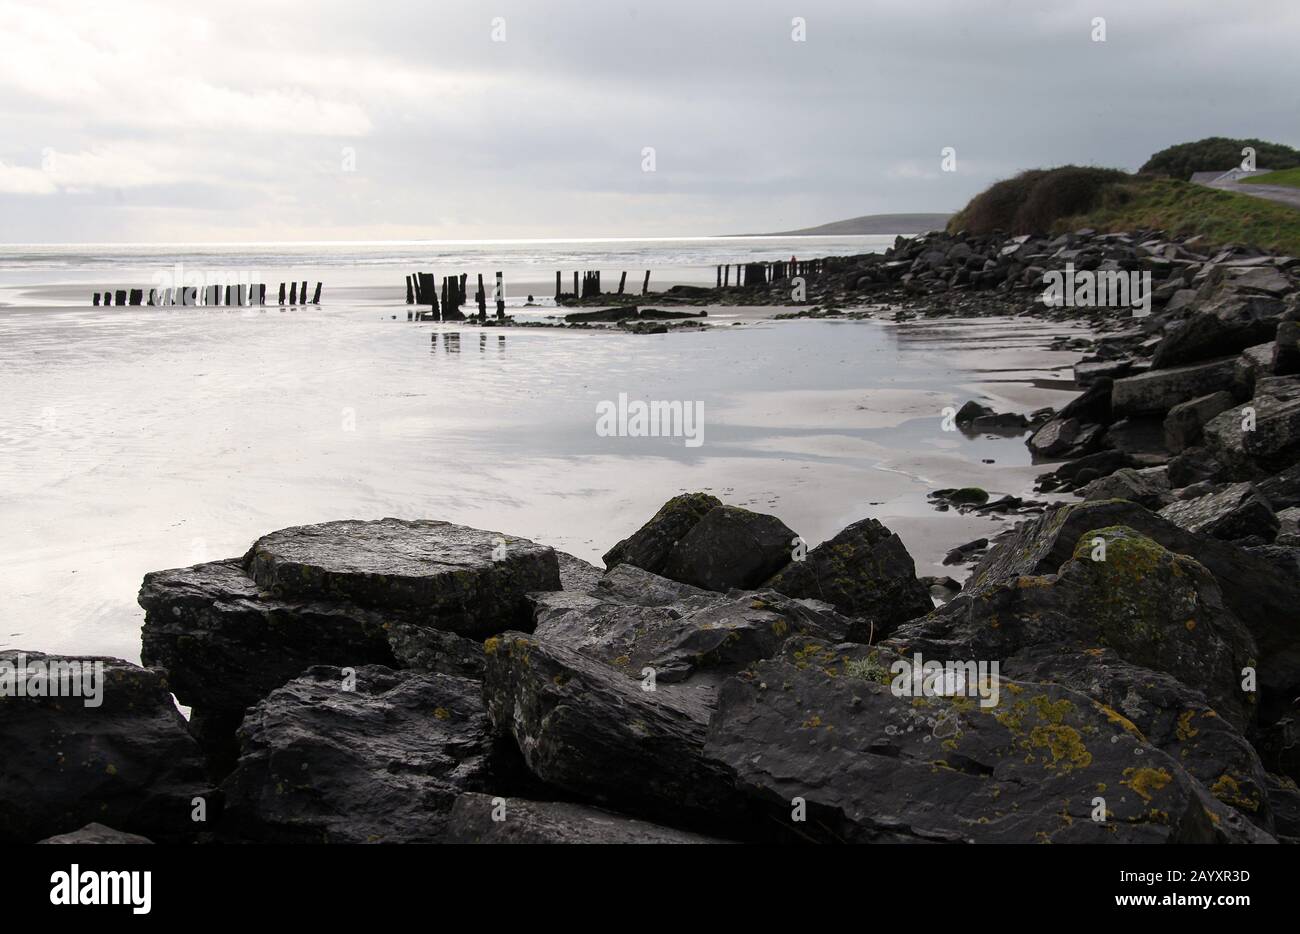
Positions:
(1053, 201)
(1288, 177)
(1180, 208)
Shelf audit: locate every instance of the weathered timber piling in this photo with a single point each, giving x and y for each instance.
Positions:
(96, 298)
(481, 297)
(119, 297)
(622, 281)
(501, 296)
(557, 285)
(302, 293)
(315, 298)
(293, 293)
(645, 286)
(575, 284)
(410, 292)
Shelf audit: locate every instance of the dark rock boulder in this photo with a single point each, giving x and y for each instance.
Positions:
(1225, 326)
(599, 735)
(1274, 442)
(576, 574)
(429, 649)
(1158, 391)
(226, 643)
(116, 753)
(1266, 601)
(1172, 716)
(1286, 349)
(1235, 512)
(1149, 487)
(820, 726)
(865, 571)
(1155, 608)
(449, 576)
(650, 545)
(97, 833)
(731, 547)
(1185, 420)
(480, 818)
(382, 763)
(628, 625)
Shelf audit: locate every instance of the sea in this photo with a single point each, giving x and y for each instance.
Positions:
(138, 438)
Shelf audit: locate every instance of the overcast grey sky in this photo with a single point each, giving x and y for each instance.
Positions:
(289, 119)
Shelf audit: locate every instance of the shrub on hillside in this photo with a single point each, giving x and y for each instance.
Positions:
(1034, 200)
(1218, 154)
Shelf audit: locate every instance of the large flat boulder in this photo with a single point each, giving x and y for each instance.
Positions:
(820, 729)
(865, 571)
(455, 578)
(127, 761)
(227, 643)
(380, 763)
(480, 818)
(627, 624)
(1236, 512)
(1157, 391)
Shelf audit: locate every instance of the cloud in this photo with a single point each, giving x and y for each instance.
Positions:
(158, 118)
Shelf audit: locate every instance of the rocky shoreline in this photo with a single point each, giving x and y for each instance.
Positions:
(718, 680)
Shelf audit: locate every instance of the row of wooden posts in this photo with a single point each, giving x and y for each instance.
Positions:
(422, 289)
(590, 287)
(236, 295)
(748, 274)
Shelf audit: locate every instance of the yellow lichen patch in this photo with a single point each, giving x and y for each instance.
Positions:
(441, 713)
(1117, 718)
(1064, 743)
(780, 627)
(1191, 625)
(1228, 790)
(490, 645)
(812, 722)
(1147, 782)
(1185, 731)
(623, 660)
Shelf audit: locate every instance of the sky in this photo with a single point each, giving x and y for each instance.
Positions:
(187, 121)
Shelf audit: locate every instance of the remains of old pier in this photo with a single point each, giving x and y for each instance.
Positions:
(230, 296)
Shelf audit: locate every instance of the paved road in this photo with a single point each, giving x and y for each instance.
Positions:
(1279, 193)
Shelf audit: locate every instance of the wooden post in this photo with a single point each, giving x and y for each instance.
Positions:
(622, 280)
(293, 293)
(410, 292)
(598, 283)
(575, 285)
(719, 285)
(315, 299)
(96, 297)
(557, 286)
(281, 293)
(261, 294)
(501, 296)
(302, 293)
(482, 299)
(645, 286)
(119, 297)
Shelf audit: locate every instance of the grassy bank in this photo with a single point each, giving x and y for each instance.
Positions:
(1071, 197)
(1288, 177)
